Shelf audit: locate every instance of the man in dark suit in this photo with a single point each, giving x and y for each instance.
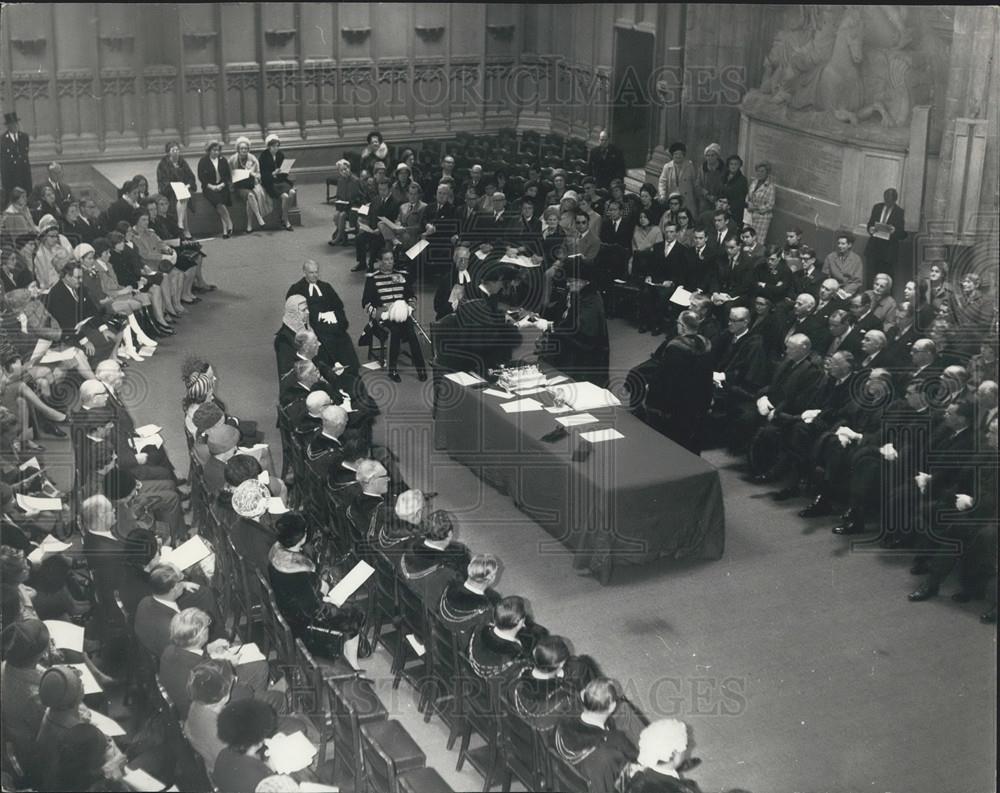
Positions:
(804, 320)
(883, 254)
(666, 272)
(171, 593)
(605, 162)
(826, 299)
(742, 369)
(88, 225)
(902, 335)
(326, 314)
(69, 305)
(62, 190)
(456, 285)
(839, 326)
(722, 229)
(736, 275)
(369, 244)
(874, 352)
(810, 276)
(15, 167)
(703, 265)
(616, 242)
(442, 221)
(863, 320)
(468, 220)
(529, 229)
(496, 224)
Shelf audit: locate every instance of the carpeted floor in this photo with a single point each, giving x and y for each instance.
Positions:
(799, 664)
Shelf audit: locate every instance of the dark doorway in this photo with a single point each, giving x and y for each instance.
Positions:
(631, 110)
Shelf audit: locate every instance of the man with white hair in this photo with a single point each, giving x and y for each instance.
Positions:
(805, 321)
(326, 449)
(663, 745)
(311, 420)
(873, 351)
(326, 315)
(62, 190)
(827, 301)
(92, 436)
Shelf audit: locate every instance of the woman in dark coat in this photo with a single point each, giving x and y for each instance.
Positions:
(735, 187)
(299, 590)
(216, 179)
(174, 168)
(276, 184)
(681, 389)
(578, 342)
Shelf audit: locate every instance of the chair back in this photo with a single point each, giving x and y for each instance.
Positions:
(563, 776)
(522, 748)
(278, 634)
(351, 703)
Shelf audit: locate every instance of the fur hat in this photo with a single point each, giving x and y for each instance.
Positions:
(60, 687)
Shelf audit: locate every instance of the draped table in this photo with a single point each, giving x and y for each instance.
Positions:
(629, 501)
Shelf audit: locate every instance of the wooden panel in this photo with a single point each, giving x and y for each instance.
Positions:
(279, 31)
(318, 33)
(432, 40)
(75, 35)
(468, 21)
(355, 19)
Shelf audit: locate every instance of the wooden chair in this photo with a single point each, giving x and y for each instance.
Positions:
(478, 713)
(352, 703)
(422, 780)
(406, 663)
(521, 750)
(562, 776)
(277, 635)
(439, 692)
(388, 751)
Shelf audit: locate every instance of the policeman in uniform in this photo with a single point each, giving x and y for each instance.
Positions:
(383, 288)
(15, 168)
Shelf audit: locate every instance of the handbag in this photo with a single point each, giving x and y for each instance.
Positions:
(321, 638)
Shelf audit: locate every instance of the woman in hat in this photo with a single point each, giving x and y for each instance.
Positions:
(126, 207)
(53, 251)
(374, 150)
(710, 177)
(216, 178)
(173, 169)
(760, 200)
(47, 205)
(678, 175)
(249, 189)
(276, 183)
(16, 218)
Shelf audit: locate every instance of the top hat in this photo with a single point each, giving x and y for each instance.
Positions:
(10, 118)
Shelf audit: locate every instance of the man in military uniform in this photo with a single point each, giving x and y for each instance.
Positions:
(15, 167)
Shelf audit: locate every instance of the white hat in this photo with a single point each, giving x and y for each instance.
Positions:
(82, 250)
(269, 138)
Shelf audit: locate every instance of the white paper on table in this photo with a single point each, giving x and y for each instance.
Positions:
(240, 175)
(90, 684)
(481, 255)
(286, 166)
(38, 503)
(559, 378)
(275, 506)
(248, 654)
(141, 781)
(529, 391)
(578, 419)
(65, 635)
(416, 644)
(187, 554)
(416, 249)
(464, 378)
(290, 753)
(349, 584)
(147, 429)
(316, 787)
(586, 396)
(32, 463)
(181, 192)
(719, 377)
(149, 440)
(597, 436)
(371, 365)
(108, 726)
(496, 393)
(559, 409)
(681, 297)
(57, 356)
(522, 406)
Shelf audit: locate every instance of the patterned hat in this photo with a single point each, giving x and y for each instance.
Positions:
(250, 499)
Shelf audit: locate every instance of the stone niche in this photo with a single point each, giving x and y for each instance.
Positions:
(842, 112)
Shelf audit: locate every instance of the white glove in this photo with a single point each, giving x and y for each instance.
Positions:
(764, 406)
(264, 478)
(963, 502)
(889, 452)
(329, 317)
(339, 368)
(922, 481)
(384, 316)
(719, 378)
(22, 320)
(346, 404)
(809, 416)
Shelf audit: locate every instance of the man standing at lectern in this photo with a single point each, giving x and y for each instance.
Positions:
(885, 230)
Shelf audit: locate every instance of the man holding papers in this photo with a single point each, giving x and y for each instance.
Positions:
(369, 243)
(885, 229)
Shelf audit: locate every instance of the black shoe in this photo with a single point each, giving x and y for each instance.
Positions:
(394, 376)
(818, 508)
(289, 227)
(227, 235)
(962, 596)
(358, 268)
(923, 593)
(421, 375)
(920, 567)
(50, 428)
(854, 527)
(164, 330)
(786, 493)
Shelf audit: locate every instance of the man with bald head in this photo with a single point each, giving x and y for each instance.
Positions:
(955, 380)
(326, 314)
(827, 300)
(874, 352)
(924, 360)
(311, 421)
(605, 162)
(326, 448)
(790, 392)
(805, 321)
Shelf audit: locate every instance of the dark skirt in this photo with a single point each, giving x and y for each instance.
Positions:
(217, 197)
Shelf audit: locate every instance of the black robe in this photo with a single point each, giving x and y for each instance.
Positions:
(578, 344)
